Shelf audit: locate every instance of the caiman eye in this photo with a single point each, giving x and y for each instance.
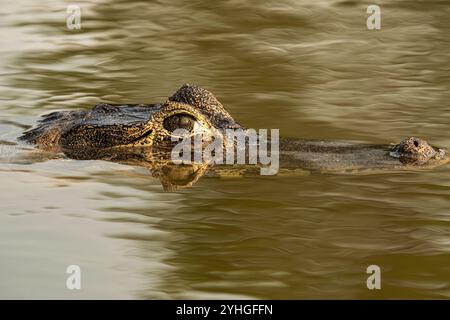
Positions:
(179, 121)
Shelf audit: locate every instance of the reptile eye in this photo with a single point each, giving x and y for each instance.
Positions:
(179, 121)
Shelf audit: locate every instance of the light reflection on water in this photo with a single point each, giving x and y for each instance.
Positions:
(308, 68)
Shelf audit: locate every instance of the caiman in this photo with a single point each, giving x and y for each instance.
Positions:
(141, 134)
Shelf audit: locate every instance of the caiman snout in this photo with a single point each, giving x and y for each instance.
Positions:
(416, 151)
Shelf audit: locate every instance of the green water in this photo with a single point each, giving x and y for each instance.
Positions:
(309, 68)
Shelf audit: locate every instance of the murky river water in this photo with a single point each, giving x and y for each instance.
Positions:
(309, 68)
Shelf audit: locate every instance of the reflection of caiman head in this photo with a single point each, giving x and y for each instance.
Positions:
(416, 151)
(174, 177)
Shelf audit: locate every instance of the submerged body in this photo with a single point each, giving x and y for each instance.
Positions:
(340, 156)
(142, 134)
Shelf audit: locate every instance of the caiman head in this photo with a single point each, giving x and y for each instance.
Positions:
(87, 133)
(137, 134)
(194, 110)
(416, 151)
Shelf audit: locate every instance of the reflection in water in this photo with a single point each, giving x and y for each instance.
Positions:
(311, 69)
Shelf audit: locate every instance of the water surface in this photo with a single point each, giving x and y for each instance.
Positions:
(309, 68)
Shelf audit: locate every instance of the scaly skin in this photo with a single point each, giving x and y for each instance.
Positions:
(107, 126)
(140, 134)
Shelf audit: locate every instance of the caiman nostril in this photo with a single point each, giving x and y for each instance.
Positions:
(416, 143)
